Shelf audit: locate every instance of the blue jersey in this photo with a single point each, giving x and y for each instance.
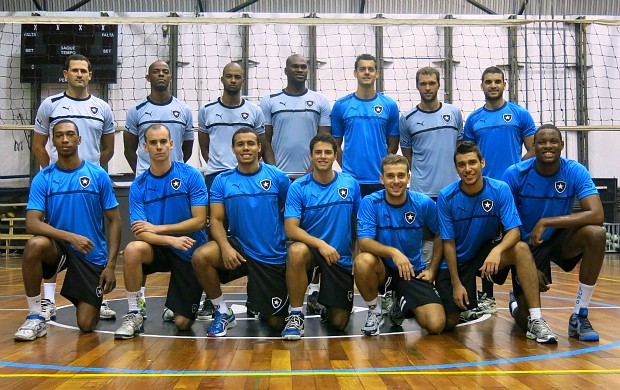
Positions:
(539, 196)
(472, 220)
(74, 201)
(365, 126)
(295, 120)
(253, 205)
(431, 136)
(499, 134)
(326, 211)
(168, 199)
(400, 227)
(92, 116)
(174, 114)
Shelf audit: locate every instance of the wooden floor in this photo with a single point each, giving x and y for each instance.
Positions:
(492, 353)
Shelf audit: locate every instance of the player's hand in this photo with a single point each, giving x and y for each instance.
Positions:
(537, 232)
(543, 282)
(143, 226)
(182, 243)
(81, 243)
(405, 268)
(107, 280)
(491, 264)
(459, 294)
(426, 275)
(328, 252)
(231, 258)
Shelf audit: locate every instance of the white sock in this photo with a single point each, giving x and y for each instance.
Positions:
(374, 305)
(132, 300)
(34, 304)
(535, 313)
(584, 294)
(292, 309)
(313, 287)
(49, 291)
(220, 304)
(142, 289)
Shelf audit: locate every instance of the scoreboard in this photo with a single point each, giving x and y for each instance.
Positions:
(45, 47)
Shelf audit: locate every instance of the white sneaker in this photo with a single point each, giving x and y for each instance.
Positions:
(133, 323)
(33, 328)
(105, 312)
(167, 315)
(48, 310)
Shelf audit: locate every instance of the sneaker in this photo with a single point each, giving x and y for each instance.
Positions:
(387, 301)
(486, 305)
(105, 312)
(374, 322)
(396, 314)
(142, 306)
(167, 315)
(221, 323)
(206, 310)
(470, 315)
(133, 323)
(512, 304)
(249, 312)
(539, 330)
(579, 326)
(312, 305)
(31, 329)
(294, 328)
(48, 310)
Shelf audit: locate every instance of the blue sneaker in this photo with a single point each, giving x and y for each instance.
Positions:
(579, 326)
(294, 328)
(221, 323)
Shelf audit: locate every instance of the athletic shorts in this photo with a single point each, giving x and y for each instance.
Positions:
(184, 290)
(336, 282)
(410, 294)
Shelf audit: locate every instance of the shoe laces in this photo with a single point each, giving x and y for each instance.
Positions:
(294, 321)
(373, 319)
(585, 324)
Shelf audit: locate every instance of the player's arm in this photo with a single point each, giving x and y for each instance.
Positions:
(528, 142)
(491, 263)
(36, 226)
(203, 143)
(392, 144)
(130, 142)
(295, 233)
(459, 294)
(339, 151)
(107, 280)
(430, 273)
(405, 268)
(197, 222)
(38, 148)
(187, 148)
(106, 149)
(231, 258)
(268, 155)
(408, 154)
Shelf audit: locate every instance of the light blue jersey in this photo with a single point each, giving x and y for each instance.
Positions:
(174, 114)
(431, 136)
(295, 120)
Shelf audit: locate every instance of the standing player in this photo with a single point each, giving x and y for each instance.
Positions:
(168, 212)
(368, 122)
(73, 195)
(390, 225)
(544, 189)
(251, 198)
(93, 117)
(320, 218)
(480, 232)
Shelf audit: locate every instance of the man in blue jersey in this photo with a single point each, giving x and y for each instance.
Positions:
(319, 217)
(390, 228)
(480, 231)
(168, 212)
(544, 189)
(368, 122)
(93, 117)
(251, 197)
(158, 107)
(71, 237)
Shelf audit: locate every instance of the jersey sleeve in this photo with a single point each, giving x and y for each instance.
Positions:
(108, 119)
(508, 209)
(106, 191)
(36, 198)
(459, 121)
(405, 135)
(510, 178)
(199, 196)
(137, 211)
(326, 113)
(294, 202)
(265, 107)
(430, 215)
(357, 196)
(202, 119)
(42, 121)
(217, 190)
(367, 219)
(188, 135)
(259, 121)
(468, 130)
(446, 225)
(337, 123)
(131, 122)
(585, 185)
(527, 123)
(283, 187)
(392, 125)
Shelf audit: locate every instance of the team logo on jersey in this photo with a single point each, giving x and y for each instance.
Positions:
(560, 186)
(94, 110)
(176, 113)
(84, 181)
(350, 295)
(245, 115)
(507, 117)
(446, 117)
(309, 103)
(378, 109)
(276, 302)
(487, 205)
(409, 217)
(265, 184)
(343, 192)
(99, 292)
(175, 183)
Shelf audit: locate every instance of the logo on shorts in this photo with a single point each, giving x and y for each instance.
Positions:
(487, 205)
(350, 295)
(409, 217)
(265, 184)
(309, 103)
(343, 192)
(175, 183)
(94, 110)
(194, 308)
(99, 292)
(378, 109)
(507, 117)
(84, 181)
(176, 113)
(560, 186)
(276, 302)
(446, 118)
(245, 115)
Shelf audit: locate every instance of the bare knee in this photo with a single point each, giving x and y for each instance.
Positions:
(338, 318)
(595, 235)
(276, 322)
(36, 246)
(364, 262)
(298, 254)
(204, 255)
(182, 322)
(432, 318)
(136, 251)
(87, 325)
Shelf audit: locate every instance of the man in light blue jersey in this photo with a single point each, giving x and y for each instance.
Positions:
(168, 213)
(293, 116)
(390, 229)
(158, 107)
(545, 189)
(479, 227)
(320, 218)
(68, 200)
(251, 197)
(368, 123)
(93, 117)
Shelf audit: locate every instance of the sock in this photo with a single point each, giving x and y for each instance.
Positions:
(313, 287)
(142, 289)
(584, 294)
(220, 304)
(374, 305)
(49, 291)
(294, 309)
(487, 287)
(132, 299)
(34, 304)
(535, 313)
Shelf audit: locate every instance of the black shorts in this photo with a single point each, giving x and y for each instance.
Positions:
(184, 290)
(336, 282)
(367, 189)
(410, 294)
(267, 292)
(81, 282)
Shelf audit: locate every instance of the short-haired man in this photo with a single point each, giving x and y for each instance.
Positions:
(73, 196)
(168, 213)
(480, 232)
(320, 218)
(368, 122)
(390, 227)
(544, 189)
(257, 243)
